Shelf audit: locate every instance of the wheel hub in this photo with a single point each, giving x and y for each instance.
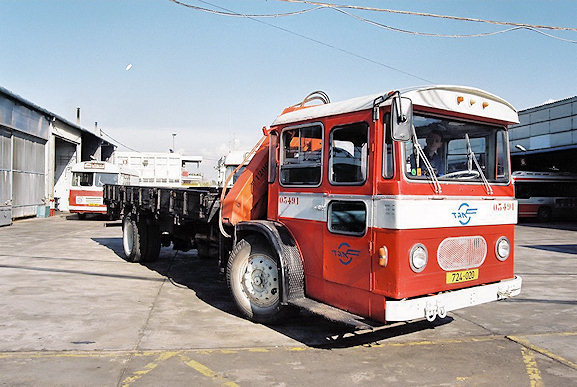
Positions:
(260, 280)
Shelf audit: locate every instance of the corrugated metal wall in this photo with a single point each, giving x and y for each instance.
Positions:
(28, 176)
(24, 134)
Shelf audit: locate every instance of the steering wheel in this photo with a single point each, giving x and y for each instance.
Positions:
(472, 174)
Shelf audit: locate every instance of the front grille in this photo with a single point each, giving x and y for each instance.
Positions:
(462, 253)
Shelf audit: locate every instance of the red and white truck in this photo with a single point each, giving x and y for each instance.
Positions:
(389, 207)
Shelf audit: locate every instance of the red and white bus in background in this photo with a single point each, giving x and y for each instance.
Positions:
(546, 195)
(88, 177)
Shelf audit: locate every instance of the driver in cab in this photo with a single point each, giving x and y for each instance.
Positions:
(432, 151)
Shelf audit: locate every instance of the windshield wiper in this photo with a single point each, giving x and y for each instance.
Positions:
(430, 170)
(472, 158)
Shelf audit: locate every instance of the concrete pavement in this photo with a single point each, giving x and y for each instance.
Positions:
(74, 312)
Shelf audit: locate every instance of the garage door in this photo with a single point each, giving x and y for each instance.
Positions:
(27, 175)
(5, 180)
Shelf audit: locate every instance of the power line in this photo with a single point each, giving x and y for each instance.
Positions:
(255, 18)
(412, 13)
(483, 34)
(231, 13)
(341, 8)
(118, 142)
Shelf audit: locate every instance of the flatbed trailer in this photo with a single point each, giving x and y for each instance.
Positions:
(156, 216)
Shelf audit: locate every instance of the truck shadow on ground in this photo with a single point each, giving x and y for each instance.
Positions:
(201, 275)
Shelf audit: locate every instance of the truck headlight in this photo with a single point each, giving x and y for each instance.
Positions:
(418, 257)
(502, 248)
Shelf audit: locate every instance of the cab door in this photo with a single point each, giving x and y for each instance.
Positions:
(346, 235)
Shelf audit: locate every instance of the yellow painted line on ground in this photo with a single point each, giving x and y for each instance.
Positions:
(438, 342)
(37, 355)
(526, 343)
(562, 334)
(147, 368)
(76, 354)
(521, 339)
(259, 349)
(531, 367)
(297, 349)
(204, 370)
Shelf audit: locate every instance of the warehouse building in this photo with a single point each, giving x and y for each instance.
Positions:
(37, 150)
(546, 138)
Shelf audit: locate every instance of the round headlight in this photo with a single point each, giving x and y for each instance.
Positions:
(502, 248)
(418, 257)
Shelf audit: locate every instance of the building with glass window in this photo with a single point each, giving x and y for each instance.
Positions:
(546, 138)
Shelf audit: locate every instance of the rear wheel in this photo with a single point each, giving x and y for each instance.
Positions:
(132, 239)
(254, 280)
(153, 241)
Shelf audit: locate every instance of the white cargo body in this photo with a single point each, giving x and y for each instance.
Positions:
(155, 168)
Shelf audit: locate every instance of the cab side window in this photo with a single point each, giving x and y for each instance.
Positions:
(347, 217)
(348, 154)
(301, 155)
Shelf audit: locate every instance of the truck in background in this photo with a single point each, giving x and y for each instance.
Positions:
(344, 210)
(161, 169)
(229, 165)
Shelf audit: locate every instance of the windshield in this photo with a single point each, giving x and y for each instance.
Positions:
(105, 178)
(457, 150)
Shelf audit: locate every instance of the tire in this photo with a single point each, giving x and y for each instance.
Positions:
(254, 281)
(132, 239)
(152, 241)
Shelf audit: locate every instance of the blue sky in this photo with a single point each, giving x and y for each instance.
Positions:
(216, 80)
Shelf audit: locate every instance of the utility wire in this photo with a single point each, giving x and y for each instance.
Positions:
(231, 13)
(341, 8)
(459, 18)
(116, 141)
(255, 18)
(482, 34)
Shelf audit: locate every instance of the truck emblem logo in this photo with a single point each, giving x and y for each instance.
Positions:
(345, 254)
(464, 213)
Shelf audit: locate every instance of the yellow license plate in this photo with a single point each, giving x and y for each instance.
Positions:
(462, 276)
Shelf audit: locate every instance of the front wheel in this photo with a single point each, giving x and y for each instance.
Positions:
(254, 280)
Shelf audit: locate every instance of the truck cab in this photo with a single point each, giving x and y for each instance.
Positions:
(388, 207)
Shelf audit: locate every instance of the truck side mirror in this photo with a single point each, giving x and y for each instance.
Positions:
(401, 118)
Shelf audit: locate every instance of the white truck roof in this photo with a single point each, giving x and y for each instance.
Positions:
(474, 102)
